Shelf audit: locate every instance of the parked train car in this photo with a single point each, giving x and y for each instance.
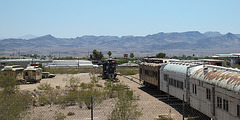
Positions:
(212, 90)
(173, 80)
(215, 91)
(15, 70)
(109, 69)
(32, 74)
(149, 73)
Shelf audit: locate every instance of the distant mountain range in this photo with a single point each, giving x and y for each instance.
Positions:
(191, 41)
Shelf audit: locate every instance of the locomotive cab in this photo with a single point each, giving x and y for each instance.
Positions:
(109, 69)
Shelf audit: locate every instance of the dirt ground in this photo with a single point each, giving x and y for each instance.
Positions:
(151, 107)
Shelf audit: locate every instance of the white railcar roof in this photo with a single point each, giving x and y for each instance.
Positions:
(176, 67)
(220, 76)
(32, 68)
(12, 68)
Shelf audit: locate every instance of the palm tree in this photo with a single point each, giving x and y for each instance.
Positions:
(109, 53)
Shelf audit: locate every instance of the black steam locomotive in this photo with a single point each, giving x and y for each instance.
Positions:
(109, 69)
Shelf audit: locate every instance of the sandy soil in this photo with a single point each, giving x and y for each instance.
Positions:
(151, 106)
(57, 81)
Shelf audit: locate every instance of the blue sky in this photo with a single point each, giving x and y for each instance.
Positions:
(72, 18)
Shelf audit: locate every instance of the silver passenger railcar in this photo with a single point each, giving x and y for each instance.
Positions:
(212, 90)
(173, 79)
(215, 91)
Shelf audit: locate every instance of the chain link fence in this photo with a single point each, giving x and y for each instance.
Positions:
(161, 109)
(93, 101)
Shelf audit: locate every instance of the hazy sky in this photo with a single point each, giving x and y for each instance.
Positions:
(72, 18)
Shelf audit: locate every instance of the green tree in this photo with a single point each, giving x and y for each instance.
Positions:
(96, 55)
(131, 55)
(161, 55)
(184, 57)
(109, 53)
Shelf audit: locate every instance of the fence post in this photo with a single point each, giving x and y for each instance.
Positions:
(183, 107)
(91, 108)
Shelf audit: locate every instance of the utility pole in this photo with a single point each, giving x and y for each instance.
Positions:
(19, 54)
(59, 55)
(78, 62)
(91, 108)
(88, 54)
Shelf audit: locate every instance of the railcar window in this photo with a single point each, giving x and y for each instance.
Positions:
(208, 94)
(225, 104)
(194, 88)
(165, 77)
(219, 102)
(155, 74)
(146, 72)
(238, 111)
(175, 83)
(181, 85)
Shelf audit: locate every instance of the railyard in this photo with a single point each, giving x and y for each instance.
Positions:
(150, 105)
(157, 95)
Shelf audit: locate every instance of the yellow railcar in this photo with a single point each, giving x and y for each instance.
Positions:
(15, 70)
(32, 74)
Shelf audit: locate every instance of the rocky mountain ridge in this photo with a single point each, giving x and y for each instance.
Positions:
(192, 40)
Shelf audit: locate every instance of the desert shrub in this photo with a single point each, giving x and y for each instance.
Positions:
(72, 82)
(70, 98)
(94, 79)
(45, 86)
(70, 114)
(82, 96)
(58, 87)
(59, 116)
(161, 117)
(37, 118)
(43, 100)
(49, 94)
(125, 108)
(128, 70)
(8, 84)
(122, 61)
(83, 85)
(98, 85)
(13, 103)
(87, 85)
(111, 89)
(95, 94)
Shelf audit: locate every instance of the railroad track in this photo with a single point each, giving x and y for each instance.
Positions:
(131, 78)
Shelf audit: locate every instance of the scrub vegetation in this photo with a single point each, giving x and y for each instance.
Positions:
(13, 102)
(16, 104)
